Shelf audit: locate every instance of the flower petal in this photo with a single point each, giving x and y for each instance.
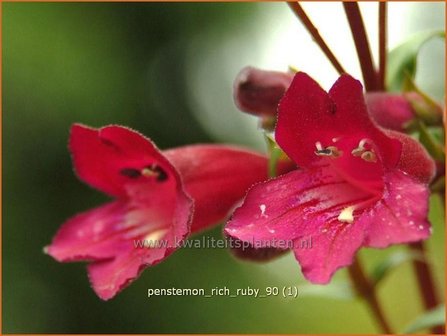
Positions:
(401, 216)
(304, 114)
(108, 277)
(308, 117)
(347, 95)
(296, 205)
(92, 235)
(330, 251)
(216, 177)
(414, 159)
(113, 157)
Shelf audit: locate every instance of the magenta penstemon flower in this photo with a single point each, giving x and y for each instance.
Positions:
(159, 197)
(357, 185)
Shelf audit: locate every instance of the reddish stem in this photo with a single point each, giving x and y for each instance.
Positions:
(365, 288)
(358, 31)
(301, 14)
(426, 282)
(382, 43)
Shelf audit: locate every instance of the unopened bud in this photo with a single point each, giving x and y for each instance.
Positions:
(258, 91)
(391, 111)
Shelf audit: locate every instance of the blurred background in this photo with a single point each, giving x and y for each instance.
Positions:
(167, 71)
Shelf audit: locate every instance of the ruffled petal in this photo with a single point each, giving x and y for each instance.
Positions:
(216, 177)
(144, 248)
(108, 277)
(114, 157)
(401, 215)
(304, 118)
(352, 115)
(414, 160)
(296, 205)
(95, 234)
(329, 251)
(312, 120)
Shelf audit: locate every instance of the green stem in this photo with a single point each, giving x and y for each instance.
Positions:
(425, 281)
(366, 290)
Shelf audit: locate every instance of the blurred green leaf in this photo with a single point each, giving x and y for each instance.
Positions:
(425, 107)
(390, 263)
(429, 319)
(338, 291)
(434, 148)
(275, 153)
(402, 59)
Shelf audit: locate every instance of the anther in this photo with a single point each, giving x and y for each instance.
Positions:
(330, 151)
(363, 153)
(148, 172)
(369, 156)
(154, 171)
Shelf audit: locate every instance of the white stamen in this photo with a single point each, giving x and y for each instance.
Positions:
(319, 146)
(346, 215)
(262, 207)
(362, 143)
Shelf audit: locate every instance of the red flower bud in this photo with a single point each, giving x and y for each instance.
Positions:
(258, 91)
(390, 111)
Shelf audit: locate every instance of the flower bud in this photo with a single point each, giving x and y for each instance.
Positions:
(258, 91)
(391, 111)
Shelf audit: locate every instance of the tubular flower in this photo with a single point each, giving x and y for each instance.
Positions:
(357, 186)
(154, 193)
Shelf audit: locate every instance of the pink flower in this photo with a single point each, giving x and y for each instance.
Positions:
(357, 186)
(156, 195)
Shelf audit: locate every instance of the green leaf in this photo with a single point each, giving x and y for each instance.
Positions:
(424, 106)
(338, 291)
(402, 59)
(432, 318)
(433, 147)
(275, 155)
(391, 262)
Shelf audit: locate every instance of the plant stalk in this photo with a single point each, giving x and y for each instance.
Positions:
(425, 281)
(358, 31)
(366, 290)
(382, 43)
(301, 14)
